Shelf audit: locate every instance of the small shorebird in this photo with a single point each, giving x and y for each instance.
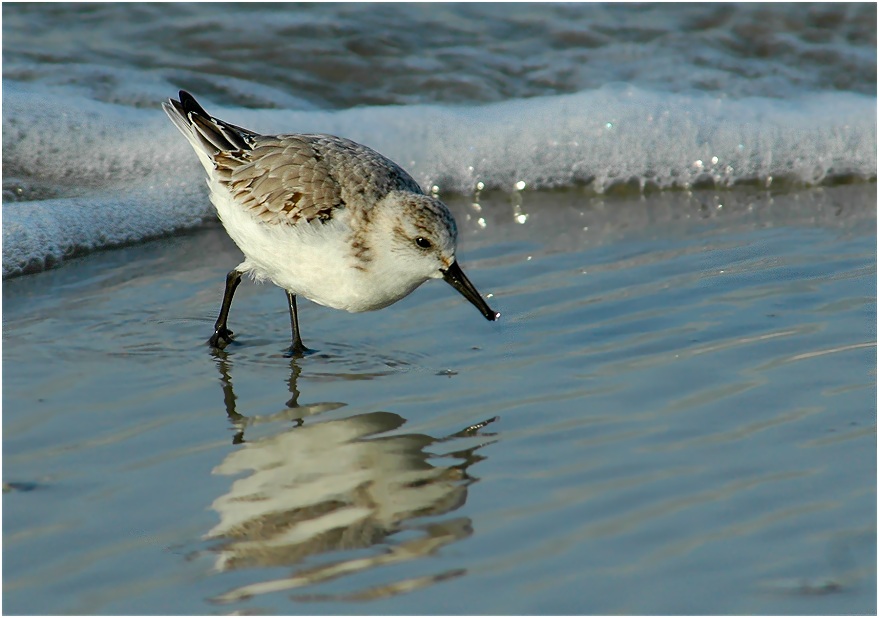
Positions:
(322, 217)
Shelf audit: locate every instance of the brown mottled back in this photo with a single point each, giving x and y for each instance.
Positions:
(286, 178)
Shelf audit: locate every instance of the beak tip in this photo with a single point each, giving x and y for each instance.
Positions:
(455, 277)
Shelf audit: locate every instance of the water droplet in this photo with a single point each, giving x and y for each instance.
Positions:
(714, 160)
(520, 185)
(480, 186)
(609, 125)
(521, 218)
(481, 222)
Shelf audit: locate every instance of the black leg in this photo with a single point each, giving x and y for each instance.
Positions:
(296, 348)
(223, 335)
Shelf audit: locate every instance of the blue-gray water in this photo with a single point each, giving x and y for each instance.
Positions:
(674, 208)
(686, 425)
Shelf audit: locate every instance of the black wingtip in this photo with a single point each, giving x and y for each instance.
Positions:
(190, 105)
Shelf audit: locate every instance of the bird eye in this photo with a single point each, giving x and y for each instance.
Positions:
(422, 242)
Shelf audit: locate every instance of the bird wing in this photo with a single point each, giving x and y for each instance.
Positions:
(280, 180)
(285, 179)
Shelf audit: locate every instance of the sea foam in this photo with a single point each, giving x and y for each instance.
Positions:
(81, 174)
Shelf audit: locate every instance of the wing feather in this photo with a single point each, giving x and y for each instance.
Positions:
(285, 179)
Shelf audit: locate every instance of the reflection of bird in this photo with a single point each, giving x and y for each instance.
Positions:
(328, 486)
(334, 485)
(321, 216)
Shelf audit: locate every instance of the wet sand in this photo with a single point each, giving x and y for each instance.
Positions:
(685, 393)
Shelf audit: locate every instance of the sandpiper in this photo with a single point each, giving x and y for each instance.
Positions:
(322, 217)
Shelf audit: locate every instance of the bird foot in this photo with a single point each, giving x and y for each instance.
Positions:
(297, 350)
(220, 338)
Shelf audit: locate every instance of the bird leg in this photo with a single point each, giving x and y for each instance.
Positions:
(296, 348)
(222, 335)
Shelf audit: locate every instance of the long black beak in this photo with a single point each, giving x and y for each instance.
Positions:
(455, 277)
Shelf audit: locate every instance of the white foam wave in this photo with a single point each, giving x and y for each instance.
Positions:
(81, 174)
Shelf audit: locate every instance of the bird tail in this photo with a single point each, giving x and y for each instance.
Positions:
(207, 135)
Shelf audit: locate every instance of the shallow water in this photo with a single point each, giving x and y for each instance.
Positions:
(685, 393)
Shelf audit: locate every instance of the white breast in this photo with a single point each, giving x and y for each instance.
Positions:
(313, 260)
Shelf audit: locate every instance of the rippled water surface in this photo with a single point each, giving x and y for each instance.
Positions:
(676, 414)
(329, 55)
